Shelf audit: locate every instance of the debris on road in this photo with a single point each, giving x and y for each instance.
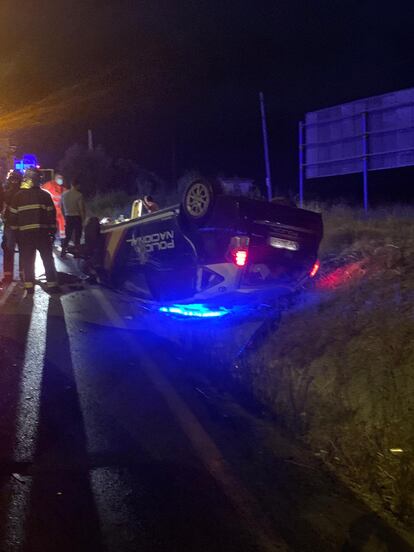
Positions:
(19, 478)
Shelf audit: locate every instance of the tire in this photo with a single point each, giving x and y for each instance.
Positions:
(198, 200)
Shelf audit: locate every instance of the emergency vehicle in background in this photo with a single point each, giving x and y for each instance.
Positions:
(29, 161)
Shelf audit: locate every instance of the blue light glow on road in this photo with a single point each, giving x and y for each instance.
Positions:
(196, 310)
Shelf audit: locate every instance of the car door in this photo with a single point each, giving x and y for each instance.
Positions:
(162, 257)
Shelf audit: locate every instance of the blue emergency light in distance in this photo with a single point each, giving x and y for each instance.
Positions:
(28, 161)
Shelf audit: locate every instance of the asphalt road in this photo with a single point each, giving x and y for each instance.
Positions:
(120, 431)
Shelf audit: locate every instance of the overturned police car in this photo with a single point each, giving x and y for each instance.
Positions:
(212, 249)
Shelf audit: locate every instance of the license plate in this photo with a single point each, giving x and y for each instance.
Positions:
(280, 243)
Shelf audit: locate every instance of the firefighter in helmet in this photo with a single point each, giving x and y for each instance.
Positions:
(13, 182)
(33, 216)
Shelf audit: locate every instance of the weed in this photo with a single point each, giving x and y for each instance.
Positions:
(339, 369)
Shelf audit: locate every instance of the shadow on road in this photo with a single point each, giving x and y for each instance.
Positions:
(62, 513)
(13, 336)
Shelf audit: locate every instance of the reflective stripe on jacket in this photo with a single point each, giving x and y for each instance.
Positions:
(32, 209)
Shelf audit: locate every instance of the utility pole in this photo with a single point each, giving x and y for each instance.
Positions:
(90, 140)
(265, 147)
(174, 161)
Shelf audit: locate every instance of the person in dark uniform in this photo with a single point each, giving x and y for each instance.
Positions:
(33, 216)
(150, 205)
(13, 182)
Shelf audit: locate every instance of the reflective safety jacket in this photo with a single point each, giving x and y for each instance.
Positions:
(32, 209)
(55, 190)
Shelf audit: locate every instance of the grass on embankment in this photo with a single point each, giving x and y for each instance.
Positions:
(339, 369)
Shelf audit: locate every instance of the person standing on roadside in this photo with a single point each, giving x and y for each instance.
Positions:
(150, 204)
(73, 208)
(33, 217)
(13, 182)
(56, 189)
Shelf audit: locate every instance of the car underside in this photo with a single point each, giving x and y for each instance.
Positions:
(212, 249)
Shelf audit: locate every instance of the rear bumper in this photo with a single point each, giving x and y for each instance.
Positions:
(234, 288)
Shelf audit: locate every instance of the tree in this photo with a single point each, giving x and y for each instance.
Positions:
(91, 167)
(138, 182)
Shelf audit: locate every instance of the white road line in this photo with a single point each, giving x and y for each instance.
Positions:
(204, 446)
(118, 522)
(108, 309)
(214, 462)
(31, 382)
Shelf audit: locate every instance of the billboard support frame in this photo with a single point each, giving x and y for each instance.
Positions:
(365, 155)
(365, 158)
(301, 163)
(369, 134)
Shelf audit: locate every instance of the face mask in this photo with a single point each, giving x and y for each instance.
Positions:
(59, 181)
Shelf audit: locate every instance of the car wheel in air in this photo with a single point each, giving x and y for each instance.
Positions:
(198, 199)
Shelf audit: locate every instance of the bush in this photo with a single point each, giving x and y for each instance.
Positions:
(110, 205)
(92, 168)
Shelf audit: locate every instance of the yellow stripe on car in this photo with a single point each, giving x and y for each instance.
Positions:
(115, 241)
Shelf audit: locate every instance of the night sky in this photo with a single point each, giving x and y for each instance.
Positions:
(156, 75)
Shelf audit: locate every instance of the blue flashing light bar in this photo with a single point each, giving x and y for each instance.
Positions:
(196, 310)
(28, 161)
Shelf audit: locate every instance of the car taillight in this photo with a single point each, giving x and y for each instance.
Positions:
(240, 257)
(315, 269)
(239, 250)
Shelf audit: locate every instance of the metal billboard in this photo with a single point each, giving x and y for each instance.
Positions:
(364, 135)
